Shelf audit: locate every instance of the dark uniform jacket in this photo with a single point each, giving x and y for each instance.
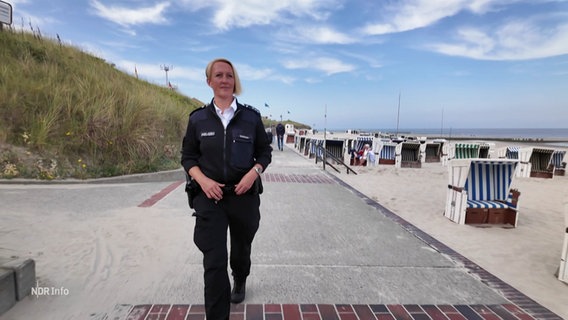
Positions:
(225, 155)
(280, 129)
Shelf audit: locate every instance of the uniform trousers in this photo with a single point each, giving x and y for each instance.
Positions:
(239, 214)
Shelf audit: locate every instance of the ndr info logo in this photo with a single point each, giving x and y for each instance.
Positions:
(49, 291)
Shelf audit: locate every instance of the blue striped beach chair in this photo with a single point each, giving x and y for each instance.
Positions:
(387, 153)
(315, 150)
(358, 145)
(557, 160)
(509, 152)
(408, 155)
(479, 192)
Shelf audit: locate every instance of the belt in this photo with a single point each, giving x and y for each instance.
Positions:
(228, 190)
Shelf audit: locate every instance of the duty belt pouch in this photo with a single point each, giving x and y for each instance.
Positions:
(257, 186)
(192, 189)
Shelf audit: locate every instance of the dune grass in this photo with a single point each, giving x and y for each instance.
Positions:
(67, 114)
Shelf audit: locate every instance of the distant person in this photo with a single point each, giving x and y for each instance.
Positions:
(225, 150)
(270, 136)
(280, 136)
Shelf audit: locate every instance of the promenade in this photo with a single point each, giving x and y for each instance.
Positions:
(122, 248)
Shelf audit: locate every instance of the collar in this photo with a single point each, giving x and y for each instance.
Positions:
(233, 106)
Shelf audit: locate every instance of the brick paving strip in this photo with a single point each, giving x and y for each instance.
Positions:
(521, 307)
(331, 312)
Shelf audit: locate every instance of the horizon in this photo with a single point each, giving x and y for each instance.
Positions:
(479, 63)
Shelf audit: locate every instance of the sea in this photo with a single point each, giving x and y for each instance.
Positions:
(555, 136)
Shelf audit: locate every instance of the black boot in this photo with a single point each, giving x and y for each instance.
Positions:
(239, 290)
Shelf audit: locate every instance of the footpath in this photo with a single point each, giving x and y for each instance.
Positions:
(323, 251)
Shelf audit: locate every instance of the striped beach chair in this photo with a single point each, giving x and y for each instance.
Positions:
(465, 151)
(408, 155)
(479, 192)
(535, 163)
(358, 145)
(558, 162)
(387, 153)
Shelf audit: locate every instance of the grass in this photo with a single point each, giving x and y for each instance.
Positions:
(67, 114)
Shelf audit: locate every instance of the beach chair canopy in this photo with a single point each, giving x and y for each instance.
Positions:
(466, 150)
(483, 179)
(360, 142)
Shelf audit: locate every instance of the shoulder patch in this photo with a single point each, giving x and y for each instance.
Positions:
(198, 109)
(252, 108)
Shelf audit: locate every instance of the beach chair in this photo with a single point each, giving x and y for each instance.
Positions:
(444, 152)
(387, 153)
(464, 151)
(335, 148)
(358, 145)
(479, 192)
(563, 269)
(431, 152)
(535, 163)
(314, 150)
(509, 152)
(408, 155)
(484, 151)
(558, 162)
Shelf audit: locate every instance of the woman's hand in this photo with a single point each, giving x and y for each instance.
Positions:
(211, 188)
(246, 182)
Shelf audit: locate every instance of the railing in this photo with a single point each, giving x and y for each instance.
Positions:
(328, 155)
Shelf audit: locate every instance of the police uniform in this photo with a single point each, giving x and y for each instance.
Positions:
(225, 155)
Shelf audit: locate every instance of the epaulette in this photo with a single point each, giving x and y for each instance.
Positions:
(198, 109)
(252, 108)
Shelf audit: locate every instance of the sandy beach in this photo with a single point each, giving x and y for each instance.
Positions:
(526, 257)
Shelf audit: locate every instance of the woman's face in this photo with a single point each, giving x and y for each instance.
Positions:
(222, 80)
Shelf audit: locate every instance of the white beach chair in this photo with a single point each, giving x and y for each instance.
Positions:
(479, 192)
(408, 155)
(431, 152)
(558, 162)
(535, 162)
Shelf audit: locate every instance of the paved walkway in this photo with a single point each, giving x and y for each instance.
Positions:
(325, 251)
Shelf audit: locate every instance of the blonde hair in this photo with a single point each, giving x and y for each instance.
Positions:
(237, 90)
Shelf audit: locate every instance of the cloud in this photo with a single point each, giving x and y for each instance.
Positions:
(228, 14)
(318, 35)
(328, 65)
(127, 17)
(414, 14)
(514, 40)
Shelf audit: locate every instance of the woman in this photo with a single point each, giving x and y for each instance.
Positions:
(225, 150)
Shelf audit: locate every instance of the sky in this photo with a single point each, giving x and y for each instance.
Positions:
(339, 64)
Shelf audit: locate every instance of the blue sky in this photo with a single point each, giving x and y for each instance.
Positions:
(455, 64)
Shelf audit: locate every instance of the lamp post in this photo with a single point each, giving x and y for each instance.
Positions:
(166, 68)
